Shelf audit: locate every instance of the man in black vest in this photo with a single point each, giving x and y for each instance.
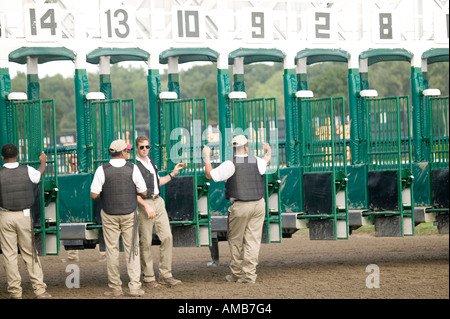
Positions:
(16, 228)
(245, 189)
(118, 183)
(152, 213)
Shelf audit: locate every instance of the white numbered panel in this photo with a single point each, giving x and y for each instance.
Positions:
(385, 27)
(188, 24)
(441, 27)
(42, 23)
(322, 26)
(118, 23)
(257, 26)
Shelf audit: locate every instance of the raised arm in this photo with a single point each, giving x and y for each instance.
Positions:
(268, 154)
(207, 159)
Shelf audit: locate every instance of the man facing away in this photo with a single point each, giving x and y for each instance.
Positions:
(245, 189)
(118, 183)
(16, 226)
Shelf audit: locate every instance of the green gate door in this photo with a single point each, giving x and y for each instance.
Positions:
(105, 121)
(257, 119)
(437, 133)
(389, 164)
(31, 127)
(321, 134)
(187, 196)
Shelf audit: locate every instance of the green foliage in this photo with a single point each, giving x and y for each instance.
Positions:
(200, 81)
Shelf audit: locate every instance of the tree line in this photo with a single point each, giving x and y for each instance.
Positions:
(200, 81)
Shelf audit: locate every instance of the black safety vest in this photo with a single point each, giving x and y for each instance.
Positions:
(16, 188)
(149, 177)
(119, 195)
(246, 184)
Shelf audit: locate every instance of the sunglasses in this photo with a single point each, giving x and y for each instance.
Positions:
(146, 146)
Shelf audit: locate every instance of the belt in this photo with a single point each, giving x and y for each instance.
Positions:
(152, 197)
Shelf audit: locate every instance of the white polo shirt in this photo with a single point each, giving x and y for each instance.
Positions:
(99, 177)
(225, 170)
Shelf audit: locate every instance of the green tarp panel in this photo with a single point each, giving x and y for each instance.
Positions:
(436, 55)
(44, 54)
(257, 55)
(323, 55)
(383, 55)
(117, 55)
(189, 55)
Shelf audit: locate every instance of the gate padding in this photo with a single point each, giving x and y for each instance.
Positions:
(180, 198)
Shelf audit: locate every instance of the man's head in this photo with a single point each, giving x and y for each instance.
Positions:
(10, 152)
(118, 147)
(142, 145)
(240, 144)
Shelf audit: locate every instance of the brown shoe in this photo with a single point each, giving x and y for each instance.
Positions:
(113, 293)
(136, 293)
(70, 260)
(44, 295)
(151, 284)
(169, 281)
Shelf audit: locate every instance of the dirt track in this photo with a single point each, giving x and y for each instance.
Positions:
(297, 268)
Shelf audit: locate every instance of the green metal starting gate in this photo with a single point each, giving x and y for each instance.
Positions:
(105, 121)
(257, 119)
(322, 148)
(387, 134)
(436, 134)
(110, 120)
(182, 123)
(31, 127)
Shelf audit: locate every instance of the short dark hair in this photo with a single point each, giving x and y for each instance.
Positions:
(115, 154)
(9, 151)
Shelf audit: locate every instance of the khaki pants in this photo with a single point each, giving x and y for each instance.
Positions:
(115, 226)
(245, 224)
(16, 232)
(162, 228)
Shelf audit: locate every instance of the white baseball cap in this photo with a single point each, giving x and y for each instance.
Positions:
(119, 146)
(239, 140)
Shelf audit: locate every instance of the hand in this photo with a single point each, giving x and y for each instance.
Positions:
(150, 211)
(177, 168)
(206, 152)
(266, 146)
(43, 158)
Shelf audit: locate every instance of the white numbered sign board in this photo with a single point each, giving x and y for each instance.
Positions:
(342, 24)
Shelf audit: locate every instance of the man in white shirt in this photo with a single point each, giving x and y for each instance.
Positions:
(16, 228)
(152, 213)
(245, 189)
(118, 183)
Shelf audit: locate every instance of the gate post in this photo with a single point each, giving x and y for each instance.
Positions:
(33, 87)
(224, 104)
(5, 89)
(81, 89)
(154, 88)
(290, 87)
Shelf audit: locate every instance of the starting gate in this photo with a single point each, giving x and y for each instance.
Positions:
(385, 130)
(257, 119)
(320, 130)
(105, 121)
(187, 202)
(31, 127)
